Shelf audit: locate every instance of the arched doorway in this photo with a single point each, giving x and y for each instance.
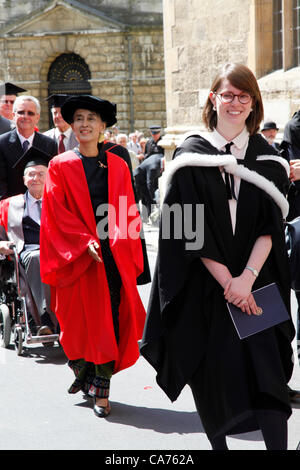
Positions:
(68, 74)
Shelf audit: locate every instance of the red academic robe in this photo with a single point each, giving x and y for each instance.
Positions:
(83, 304)
(4, 213)
(11, 214)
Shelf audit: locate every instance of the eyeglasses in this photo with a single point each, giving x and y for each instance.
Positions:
(228, 97)
(7, 101)
(34, 174)
(23, 113)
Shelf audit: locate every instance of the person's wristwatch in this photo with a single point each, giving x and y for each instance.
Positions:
(254, 271)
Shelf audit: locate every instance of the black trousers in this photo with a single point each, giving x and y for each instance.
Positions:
(297, 293)
(146, 180)
(30, 260)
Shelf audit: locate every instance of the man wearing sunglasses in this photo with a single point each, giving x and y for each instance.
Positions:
(8, 95)
(14, 144)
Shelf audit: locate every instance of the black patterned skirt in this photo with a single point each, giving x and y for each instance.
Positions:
(94, 379)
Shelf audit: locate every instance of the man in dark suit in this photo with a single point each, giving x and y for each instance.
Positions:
(62, 132)
(147, 173)
(5, 125)
(8, 95)
(15, 143)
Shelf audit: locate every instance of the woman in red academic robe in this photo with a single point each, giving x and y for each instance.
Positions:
(91, 252)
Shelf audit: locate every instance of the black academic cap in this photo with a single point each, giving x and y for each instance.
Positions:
(57, 100)
(32, 157)
(10, 89)
(104, 108)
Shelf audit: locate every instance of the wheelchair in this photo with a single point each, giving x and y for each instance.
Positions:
(14, 316)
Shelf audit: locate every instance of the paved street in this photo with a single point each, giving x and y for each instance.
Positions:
(37, 413)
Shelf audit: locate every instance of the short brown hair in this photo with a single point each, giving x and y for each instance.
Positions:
(242, 78)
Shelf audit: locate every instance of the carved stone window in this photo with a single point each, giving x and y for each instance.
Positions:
(70, 74)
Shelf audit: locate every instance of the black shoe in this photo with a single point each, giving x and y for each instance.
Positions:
(102, 411)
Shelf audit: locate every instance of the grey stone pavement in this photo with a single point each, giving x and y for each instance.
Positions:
(37, 413)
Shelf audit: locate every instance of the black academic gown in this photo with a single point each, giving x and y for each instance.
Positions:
(145, 276)
(290, 149)
(188, 328)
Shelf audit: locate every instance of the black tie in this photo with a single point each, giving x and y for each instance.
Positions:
(229, 179)
(228, 147)
(25, 145)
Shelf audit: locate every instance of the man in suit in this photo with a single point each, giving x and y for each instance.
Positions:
(5, 125)
(20, 216)
(15, 143)
(62, 132)
(147, 173)
(9, 93)
(123, 140)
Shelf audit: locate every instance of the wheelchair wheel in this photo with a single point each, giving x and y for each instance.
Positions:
(5, 326)
(18, 339)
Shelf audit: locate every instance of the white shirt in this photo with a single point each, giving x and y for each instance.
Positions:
(31, 207)
(134, 146)
(238, 150)
(67, 135)
(29, 139)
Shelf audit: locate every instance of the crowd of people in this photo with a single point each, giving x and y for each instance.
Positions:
(147, 161)
(82, 264)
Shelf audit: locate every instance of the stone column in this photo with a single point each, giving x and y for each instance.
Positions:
(182, 94)
(198, 38)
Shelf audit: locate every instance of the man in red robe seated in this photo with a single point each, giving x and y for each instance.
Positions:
(20, 221)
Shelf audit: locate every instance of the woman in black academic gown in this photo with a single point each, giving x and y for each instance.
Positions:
(189, 337)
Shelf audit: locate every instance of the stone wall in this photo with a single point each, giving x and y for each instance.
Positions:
(134, 12)
(205, 34)
(126, 65)
(281, 96)
(198, 38)
(131, 73)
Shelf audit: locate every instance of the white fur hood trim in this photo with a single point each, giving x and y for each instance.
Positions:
(275, 158)
(231, 166)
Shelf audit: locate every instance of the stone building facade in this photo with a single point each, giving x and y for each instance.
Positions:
(263, 34)
(112, 49)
